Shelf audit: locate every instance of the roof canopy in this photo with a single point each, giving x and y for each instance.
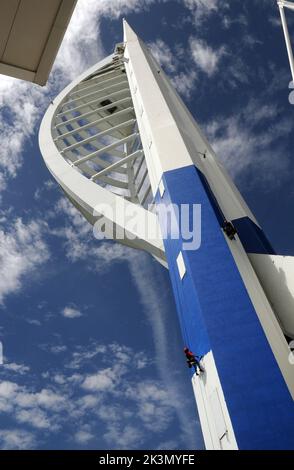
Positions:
(31, 32)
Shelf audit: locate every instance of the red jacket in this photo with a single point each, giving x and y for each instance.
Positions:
(190, 355)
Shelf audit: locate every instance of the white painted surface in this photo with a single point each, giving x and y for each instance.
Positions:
(276, 274)
(181, 265)
(161, 188)
(214, 417)
(219, 419)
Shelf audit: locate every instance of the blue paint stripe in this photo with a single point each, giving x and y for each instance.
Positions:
(213, 201)
(252, 237)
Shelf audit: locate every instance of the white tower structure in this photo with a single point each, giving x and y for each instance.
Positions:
(119, 136)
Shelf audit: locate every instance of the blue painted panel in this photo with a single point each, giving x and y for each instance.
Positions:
(216, 313)
(252, 237)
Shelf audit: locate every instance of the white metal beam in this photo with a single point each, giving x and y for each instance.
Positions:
(78, 91)
(289, 5)
(99, 90)
(105, 149)
(94, 123)
(114, 166)
(285, 4)
(88, 104)
(93, 111)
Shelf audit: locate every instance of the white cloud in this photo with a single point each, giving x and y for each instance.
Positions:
(154, 406)
(58, 349)
(275, 21)
(170, 445)
(48, 399)
(154, 307)
(71, 312)
(81, 41)
(163, 55)
(156, 311)
(79, 240)
(184, 82)
(83, 437)
(16, 439)
(229, 20)
(76, 231)
(123, 437)
(20, 105)
(202, 9)
(206, 58)
(33, 321)
(38, 410)
(81, 356)
(152, 400)
(17, 368)
(104, 380)
(113, 403)
(46, 186)
(53, 348)
(248, 140)
(22, 250)
(89, 402)
(116, 8)
(59, 379)
(34, 417)
(172, 62)
(7, 388)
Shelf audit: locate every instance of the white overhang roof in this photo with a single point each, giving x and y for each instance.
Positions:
(31, 32)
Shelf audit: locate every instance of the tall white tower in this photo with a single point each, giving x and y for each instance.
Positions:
(120, 137)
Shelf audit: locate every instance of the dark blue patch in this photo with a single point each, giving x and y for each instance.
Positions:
(216, 313)
(252, 237)
(213, 201)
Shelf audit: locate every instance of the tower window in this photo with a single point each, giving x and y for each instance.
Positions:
(106, 103)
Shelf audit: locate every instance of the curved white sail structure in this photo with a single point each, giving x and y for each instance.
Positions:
(90, 142)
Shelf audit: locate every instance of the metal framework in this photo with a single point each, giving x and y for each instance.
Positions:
(92, 125)
(290, 5)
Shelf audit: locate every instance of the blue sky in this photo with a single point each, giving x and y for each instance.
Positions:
(93, 353)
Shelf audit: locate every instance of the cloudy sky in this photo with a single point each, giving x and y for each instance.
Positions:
(92, 349)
